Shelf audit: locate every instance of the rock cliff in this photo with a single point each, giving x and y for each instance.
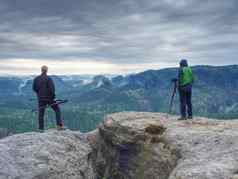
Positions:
(54, 155)
(157, 146)
(127, 146)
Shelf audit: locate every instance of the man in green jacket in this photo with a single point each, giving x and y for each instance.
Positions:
(185, 82)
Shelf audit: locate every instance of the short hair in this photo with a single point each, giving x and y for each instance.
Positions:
(44, 69)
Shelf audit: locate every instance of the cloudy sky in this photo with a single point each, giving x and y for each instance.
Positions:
(115, 36)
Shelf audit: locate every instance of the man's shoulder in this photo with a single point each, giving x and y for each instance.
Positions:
(42, 77)
(49, 78)
(185, 69)
(37, 77)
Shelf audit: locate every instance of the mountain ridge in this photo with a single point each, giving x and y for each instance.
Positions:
(215, 94)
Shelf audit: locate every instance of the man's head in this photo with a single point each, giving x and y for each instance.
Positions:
(44, 69)
(183, 63)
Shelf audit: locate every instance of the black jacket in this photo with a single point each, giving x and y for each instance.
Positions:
(44, 87)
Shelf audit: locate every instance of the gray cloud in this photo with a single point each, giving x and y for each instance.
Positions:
(120, 32)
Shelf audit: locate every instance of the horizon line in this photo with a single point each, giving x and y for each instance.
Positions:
(110, 74)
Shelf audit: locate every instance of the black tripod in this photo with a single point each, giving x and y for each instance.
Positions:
(56, 102)
(175, 85)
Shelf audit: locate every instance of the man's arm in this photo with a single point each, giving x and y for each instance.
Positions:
(51, 87)
(35, 86)
(179, 77)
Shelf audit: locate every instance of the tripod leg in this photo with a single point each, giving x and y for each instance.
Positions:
(172, 98)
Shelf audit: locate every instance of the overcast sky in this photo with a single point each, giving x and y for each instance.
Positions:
(115, 36)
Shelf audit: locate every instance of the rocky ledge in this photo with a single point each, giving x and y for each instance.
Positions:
(157, 146)
(127, 146)
(54, 155)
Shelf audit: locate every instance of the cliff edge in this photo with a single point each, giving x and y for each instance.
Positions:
(127, 146)
(157, 146)
(53, 154)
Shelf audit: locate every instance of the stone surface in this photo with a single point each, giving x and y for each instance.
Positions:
(126, 146)
(54, 155)
(196, 149)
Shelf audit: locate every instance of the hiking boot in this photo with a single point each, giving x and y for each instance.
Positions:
(182, 119)
(61, 128)
(41, 130)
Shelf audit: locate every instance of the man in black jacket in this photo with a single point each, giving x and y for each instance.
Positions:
(44, 87)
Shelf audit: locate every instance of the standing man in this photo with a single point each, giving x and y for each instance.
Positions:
(185, 82)
(44, 87)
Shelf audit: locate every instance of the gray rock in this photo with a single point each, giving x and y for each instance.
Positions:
(126, 146)
(54, 155)
(157, 146)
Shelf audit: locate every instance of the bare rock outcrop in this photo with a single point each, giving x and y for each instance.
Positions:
(126, 146)
(54, 155)
(157, 146)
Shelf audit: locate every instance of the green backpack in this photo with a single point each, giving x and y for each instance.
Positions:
(187, 76)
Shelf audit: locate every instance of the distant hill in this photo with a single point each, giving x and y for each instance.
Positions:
(215, 91)
(215, 94)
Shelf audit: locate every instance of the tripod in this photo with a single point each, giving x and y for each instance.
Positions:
(175, 85)
(55, 103)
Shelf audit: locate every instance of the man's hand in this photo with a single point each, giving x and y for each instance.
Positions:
(174, 80)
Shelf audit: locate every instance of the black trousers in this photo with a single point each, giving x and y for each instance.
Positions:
(42, 106)
(186, 102)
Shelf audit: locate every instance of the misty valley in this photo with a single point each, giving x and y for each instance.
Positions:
(91, 98)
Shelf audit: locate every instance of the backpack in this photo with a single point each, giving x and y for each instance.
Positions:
(186, 76)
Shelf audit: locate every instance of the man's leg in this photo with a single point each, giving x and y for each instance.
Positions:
(189, 104)
(56, 108)
(41, 113)
(182, 96)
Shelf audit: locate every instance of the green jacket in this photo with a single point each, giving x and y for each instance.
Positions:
(185, 76)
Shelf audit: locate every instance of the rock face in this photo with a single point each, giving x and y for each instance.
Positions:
(126, 146)
(56, 155)
(157, 146)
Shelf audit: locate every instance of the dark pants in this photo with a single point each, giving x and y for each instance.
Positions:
(42, 106)
(186, 102)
